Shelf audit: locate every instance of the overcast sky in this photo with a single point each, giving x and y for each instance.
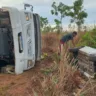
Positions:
(43, 7)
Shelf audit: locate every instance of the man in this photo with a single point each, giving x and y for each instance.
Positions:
(67, 38)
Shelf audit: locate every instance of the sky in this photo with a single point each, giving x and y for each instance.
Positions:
(43, 7)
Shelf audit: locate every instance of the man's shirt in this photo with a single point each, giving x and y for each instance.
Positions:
(67, 37)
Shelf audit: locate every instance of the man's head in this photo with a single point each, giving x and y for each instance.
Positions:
(74, 33)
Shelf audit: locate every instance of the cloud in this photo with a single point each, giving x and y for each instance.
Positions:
(33, 2)
(43, 7)
(90, 4)
(11, 3)
(87, 3)
(47, 2)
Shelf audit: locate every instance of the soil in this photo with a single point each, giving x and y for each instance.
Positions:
(18, 85)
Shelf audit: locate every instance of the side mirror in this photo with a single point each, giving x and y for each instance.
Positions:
(28, 5)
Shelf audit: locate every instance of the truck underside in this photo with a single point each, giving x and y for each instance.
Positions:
(6, 41)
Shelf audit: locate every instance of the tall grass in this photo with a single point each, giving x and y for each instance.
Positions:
(61, 80)
(66, 78)
(50, 42)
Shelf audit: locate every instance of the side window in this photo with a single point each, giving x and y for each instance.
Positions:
(20, 42)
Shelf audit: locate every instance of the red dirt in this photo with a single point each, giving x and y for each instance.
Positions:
(18, 85)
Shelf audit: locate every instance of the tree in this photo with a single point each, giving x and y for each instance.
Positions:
(58, 27)
(71, 27)
(44, 23)
(60, 10)
(78, 13)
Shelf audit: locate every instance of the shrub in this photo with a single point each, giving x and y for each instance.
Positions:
(88, 39)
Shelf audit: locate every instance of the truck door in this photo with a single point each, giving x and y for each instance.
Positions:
(29, 40)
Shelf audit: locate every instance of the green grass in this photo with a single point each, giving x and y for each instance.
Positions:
(88, 39)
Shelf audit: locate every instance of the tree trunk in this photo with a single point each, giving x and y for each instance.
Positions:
(79, 28)
(61, 24)
(58, 29)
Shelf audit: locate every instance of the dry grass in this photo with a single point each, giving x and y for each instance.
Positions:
(89, 89)
(69, 79)
(50, 42)
(62, 82)
(61, 78)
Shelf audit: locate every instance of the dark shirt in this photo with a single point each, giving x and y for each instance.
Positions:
(67, 37)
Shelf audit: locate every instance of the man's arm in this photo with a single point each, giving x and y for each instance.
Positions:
(73, 42)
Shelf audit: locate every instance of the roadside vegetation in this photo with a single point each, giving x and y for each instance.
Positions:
(88, 39)
(63, 79)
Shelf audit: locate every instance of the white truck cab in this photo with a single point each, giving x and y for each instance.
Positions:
(20, 38)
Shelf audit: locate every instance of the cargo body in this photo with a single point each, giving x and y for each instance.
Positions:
(87, 60)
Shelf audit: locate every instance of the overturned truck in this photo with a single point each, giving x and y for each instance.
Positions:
(20, 39)
(86, 57)
(87, 60)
